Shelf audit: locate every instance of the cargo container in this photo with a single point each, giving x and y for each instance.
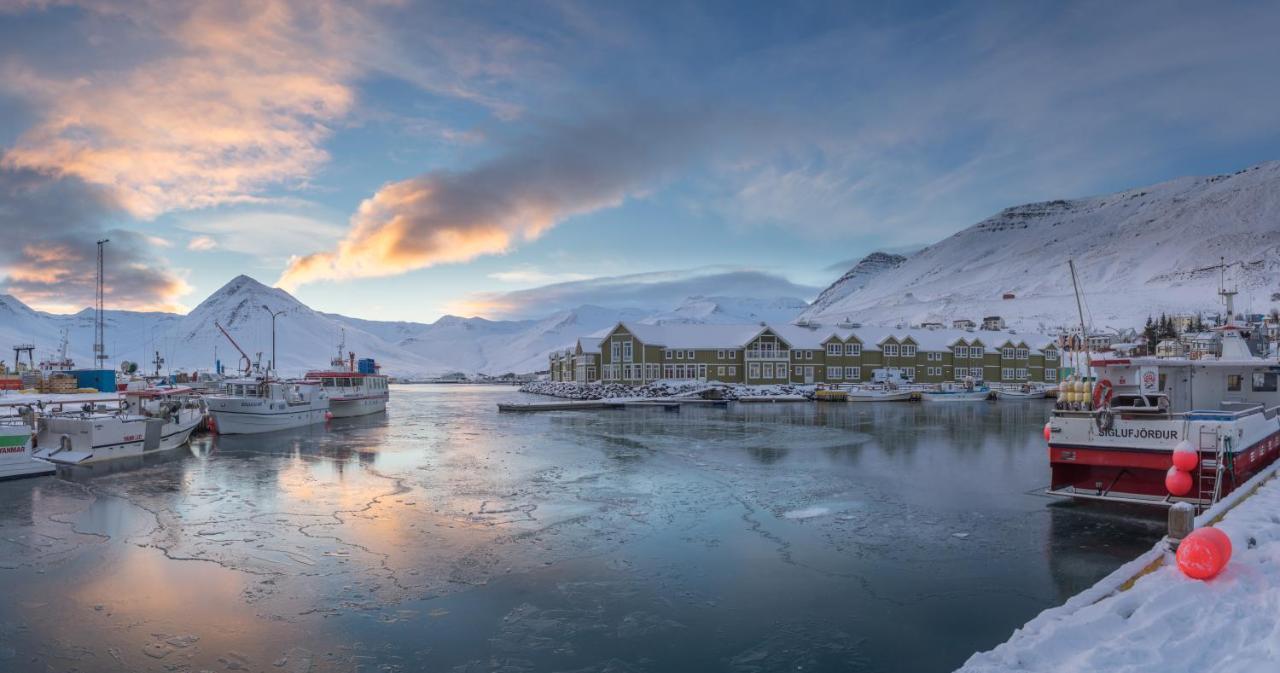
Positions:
(103, 380)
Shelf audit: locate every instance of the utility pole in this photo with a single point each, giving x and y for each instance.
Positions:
(99, 340)
(272, 365)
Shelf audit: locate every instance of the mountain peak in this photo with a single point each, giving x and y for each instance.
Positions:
(857, 277)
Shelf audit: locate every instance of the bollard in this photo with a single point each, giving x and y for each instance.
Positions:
(1182, 520)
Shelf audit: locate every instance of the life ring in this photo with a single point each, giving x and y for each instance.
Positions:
(1102, 394)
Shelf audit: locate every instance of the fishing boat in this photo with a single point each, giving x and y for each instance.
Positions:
(878, 394)
(1026, 391)
(263, 404)
(968, 390)
(17, 448)
(142, 422)
(1163, 430)
(355, 388)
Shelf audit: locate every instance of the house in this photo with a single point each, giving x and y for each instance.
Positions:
(992, 323)
(1170, 348)
(964, 324)
(931, 325)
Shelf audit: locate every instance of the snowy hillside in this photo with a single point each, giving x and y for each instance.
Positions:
(856, 278)
(731, 310)
(308, 339)
(1143, 251)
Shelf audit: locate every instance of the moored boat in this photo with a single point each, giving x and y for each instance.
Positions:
(963, 391)
(879, 395)
(354, 389)
(145, 421)
(17, 440)
(1113, 435)
(260, 404)
(1026, 391)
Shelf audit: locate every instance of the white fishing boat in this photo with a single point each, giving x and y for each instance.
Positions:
(355, 388)
(1026, 391)
(17, 449)
(144, 421)
(259, 404)
(882, 394)
(961, 391)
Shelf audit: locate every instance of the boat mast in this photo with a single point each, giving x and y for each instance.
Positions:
(1084, 336)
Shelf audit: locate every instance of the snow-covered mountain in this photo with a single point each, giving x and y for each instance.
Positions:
(856, 278)
(1140, 252)
(307, 339)
(731, 310)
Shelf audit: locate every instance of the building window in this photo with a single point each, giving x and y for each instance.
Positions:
(615, 351)
(1051, 354)
(733, 371)
(1051, 375)
(1022, 374)
(720, 370)
(853, 349)
(909, 372)
(1023, 354)
(833, 349)
(689, 355)
(667, 354)
(808, 355)
(768, 370)
(833, 373)
(935, 371)
(891, 350)
(626, 351)
(853, 373)
(1234, 382)
(1006, 374)
(679, 355)
(719, 355)
(753, 370)
(908, 350)
(1007, 353)
(961, 352)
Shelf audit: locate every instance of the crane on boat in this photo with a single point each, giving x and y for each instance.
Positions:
(246, 364)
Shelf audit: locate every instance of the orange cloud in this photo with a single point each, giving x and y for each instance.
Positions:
(447, 217)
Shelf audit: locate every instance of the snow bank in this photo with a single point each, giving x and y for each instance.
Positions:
(699, 389)
(1167, 622)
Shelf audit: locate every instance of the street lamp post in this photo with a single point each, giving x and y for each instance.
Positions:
(273, 315)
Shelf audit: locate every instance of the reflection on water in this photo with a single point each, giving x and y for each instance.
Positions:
(445, 536)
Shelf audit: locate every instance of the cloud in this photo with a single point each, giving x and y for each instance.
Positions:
(50, 263)
(653, 290)
(561, 171)
(266, 235)
(202, 243)
(532, 276)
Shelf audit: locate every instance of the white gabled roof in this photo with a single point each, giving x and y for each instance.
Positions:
(692, 335)
(590, 344)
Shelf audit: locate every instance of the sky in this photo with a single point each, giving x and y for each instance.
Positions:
(402, 160)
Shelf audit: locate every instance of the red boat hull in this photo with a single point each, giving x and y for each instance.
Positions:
(1120, 473)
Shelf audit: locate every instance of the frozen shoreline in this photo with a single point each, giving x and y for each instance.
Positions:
(664, 389)
(1148, 616)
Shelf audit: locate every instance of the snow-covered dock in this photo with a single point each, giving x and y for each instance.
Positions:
(1148, 616)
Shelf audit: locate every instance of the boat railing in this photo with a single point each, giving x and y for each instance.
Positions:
(1192, 415)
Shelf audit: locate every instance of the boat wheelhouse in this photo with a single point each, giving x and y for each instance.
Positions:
(17, 446)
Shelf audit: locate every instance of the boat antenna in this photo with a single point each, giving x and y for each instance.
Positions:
(1084, 335)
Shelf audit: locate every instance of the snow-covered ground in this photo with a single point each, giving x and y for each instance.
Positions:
(672, 388)
(1167, 622)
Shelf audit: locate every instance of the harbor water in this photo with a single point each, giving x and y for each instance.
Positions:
(445, 536)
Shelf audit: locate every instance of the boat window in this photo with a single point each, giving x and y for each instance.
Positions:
(1264, 382)
(1234, 382)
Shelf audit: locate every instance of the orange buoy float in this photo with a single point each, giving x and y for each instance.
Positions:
(1177, 482)
(1204, 553)
(1185, 458)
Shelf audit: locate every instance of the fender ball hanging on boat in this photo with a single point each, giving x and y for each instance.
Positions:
(1185, 459)
(1177, 482)
(1047, 432)
(1204, 553)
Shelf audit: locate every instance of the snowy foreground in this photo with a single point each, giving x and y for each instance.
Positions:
(698, 389)
(1167, 622)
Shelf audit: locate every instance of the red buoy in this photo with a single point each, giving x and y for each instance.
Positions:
(1047, 432)
(1185, 460)
(1204, 553)
(1177, 482)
